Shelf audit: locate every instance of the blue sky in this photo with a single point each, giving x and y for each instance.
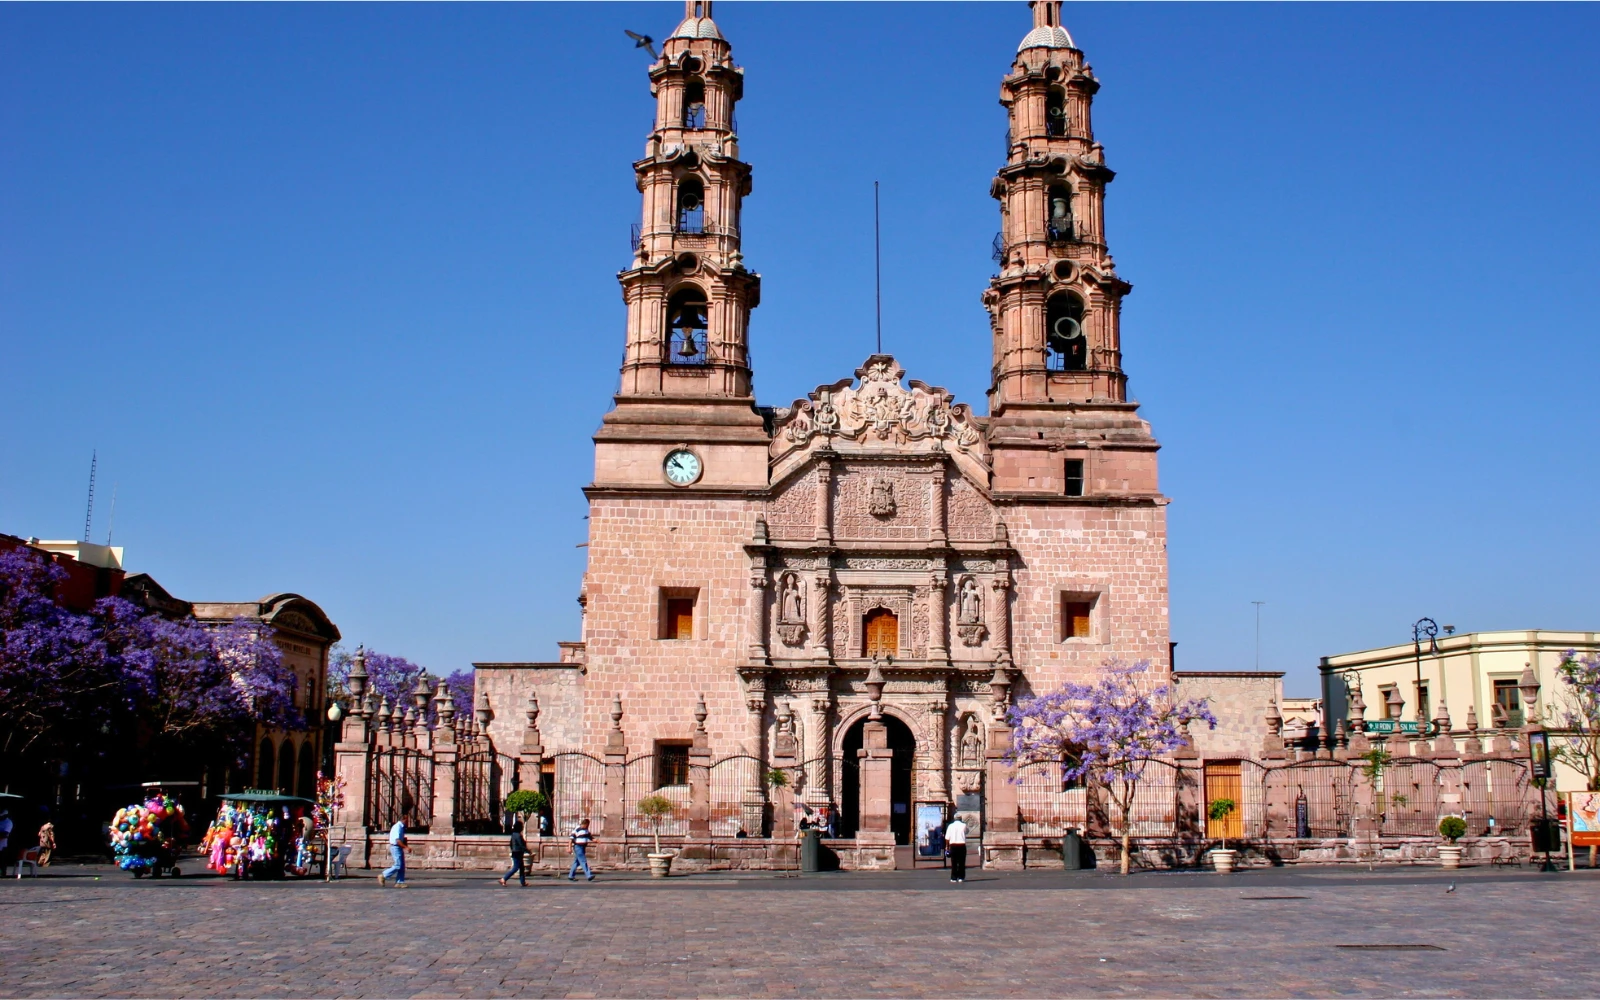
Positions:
(331, 288)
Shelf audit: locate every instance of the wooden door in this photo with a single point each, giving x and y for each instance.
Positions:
(883, 633)
(1222, 782)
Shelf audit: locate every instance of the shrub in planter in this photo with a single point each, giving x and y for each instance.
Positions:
(655, 808)
(1452, 828)
(525, 802)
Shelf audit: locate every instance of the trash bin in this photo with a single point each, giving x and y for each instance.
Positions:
(1546, 836)
(1071, 851)
(811, 851)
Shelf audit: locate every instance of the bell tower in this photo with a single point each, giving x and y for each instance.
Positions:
(686, 378)
(1057, 384)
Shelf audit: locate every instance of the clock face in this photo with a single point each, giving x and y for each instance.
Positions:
(682, 467)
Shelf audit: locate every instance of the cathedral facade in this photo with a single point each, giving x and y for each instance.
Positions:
(863, 580)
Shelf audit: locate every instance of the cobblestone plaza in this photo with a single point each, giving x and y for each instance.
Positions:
(93, 931)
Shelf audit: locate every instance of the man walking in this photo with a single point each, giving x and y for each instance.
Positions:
(397, 852)
(519, 847)
(580, 851)
(47, 842)
(955, 840)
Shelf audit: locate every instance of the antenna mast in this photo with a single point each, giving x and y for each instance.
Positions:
(111, 522)
(88, 516)
(877, 264)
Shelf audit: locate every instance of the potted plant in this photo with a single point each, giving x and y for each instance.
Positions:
(1451, 828)
(655, 808)
(1221, 858)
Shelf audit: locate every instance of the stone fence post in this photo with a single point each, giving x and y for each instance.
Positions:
(700, 776)
(444, 765)
(614, 823)
(530, 758)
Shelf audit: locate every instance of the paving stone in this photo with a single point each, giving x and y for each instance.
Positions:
(86, 932)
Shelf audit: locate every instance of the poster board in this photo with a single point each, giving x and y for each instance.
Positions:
(1583, 819)
(929, 831)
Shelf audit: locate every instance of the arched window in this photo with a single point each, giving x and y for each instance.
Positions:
(1055, 111)
(882, 630)
(686, 327)
(286, 768)
(264, 760)
(691, 206)
(1064, 334)
(694, 103)
(1058, 223)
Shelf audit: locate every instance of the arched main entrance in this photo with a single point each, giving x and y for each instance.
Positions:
(904, 746)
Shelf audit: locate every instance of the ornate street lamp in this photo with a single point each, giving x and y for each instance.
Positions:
(1425, 628)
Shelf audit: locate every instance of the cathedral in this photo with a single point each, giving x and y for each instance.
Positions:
(860, 582)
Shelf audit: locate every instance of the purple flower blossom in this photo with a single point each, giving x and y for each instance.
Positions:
(1576, 715)
(1107, 732)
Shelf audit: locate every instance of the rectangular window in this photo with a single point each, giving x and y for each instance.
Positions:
(1074, 477)
(672, 763)
(1391, 701)
(677, 613)
(1076, 620)
(1507, 703)
(1422, 703)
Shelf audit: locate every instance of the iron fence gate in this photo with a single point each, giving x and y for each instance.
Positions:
(400, 785)
(579, 790)
(639, 782)
(738, 796)
(1046, 806)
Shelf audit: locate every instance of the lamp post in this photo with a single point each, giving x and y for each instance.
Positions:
(1425, 628)
(1540, 768)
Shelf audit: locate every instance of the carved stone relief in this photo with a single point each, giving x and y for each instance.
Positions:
(969, 517)
(875, 502)
(881, 409)
(971, 754)
(881, 499)
(792, 514)
(791, 609)
(969, 613)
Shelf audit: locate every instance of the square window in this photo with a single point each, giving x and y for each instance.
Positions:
(1074, 475)
(1507, 703)
(1077, 621)
(677, 613)
(672, 763)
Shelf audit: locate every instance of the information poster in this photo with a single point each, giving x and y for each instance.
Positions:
(930, 829)
(1583, 813)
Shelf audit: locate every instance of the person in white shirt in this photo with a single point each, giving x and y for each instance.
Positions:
(397, 853)
(955, 841)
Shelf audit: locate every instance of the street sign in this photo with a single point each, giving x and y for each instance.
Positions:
(1388, 726)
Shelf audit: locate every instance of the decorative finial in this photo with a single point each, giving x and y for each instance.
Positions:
(484, 712)
(1528, 685)
(421, 693)
(616, 713)
(447, 705)
(532, 711)
(1274, 719)
(874, 685)
(700, 714)
(1472, 718)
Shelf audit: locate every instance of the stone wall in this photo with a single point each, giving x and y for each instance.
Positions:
(559, 687)
(1239, 700)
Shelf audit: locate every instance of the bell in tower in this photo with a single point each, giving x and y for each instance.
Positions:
(1055, 306)
(686, 378)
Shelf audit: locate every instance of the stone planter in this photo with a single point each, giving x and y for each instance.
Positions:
(660, 865)
(1222, 860)
(1449, 856)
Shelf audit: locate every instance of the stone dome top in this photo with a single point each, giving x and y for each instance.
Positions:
(1045, 37)
(696, 27)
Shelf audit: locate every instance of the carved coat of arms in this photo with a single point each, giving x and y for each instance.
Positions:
(881, 499)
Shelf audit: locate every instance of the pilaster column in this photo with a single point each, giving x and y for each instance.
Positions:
(754, 806)
(1000, 613)
(817, 610)
(938, 617)
(758, 615)
(936, 514)
(824, 525)
(818, 792)
(938, 741)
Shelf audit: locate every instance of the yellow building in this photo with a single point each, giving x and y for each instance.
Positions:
(1461, 681)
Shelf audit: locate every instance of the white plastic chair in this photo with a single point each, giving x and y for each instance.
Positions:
(30, 857)
(337, 859)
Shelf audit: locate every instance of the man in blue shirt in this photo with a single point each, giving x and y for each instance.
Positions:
(580, 851)
(397, 851)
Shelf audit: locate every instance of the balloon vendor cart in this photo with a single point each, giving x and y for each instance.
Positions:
(147, 836)
(261, 835)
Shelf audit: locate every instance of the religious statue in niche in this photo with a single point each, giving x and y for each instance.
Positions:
(881, 500)
(969, 612)
(971, 744)
(785, 745)
(791, 610)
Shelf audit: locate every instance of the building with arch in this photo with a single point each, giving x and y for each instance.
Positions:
(863, 580)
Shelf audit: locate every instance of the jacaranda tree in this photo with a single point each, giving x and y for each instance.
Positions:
(395, 678)
(1577, 715)
(172, 690)
(1107, 732)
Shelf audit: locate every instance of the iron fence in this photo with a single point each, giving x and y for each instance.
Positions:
(738, 796)
(1494, 797)
(579, 790)
(1047, 805)
(640, 781)
(400, 785)
(483, 778)
(1408, 797)
(1323, 789)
